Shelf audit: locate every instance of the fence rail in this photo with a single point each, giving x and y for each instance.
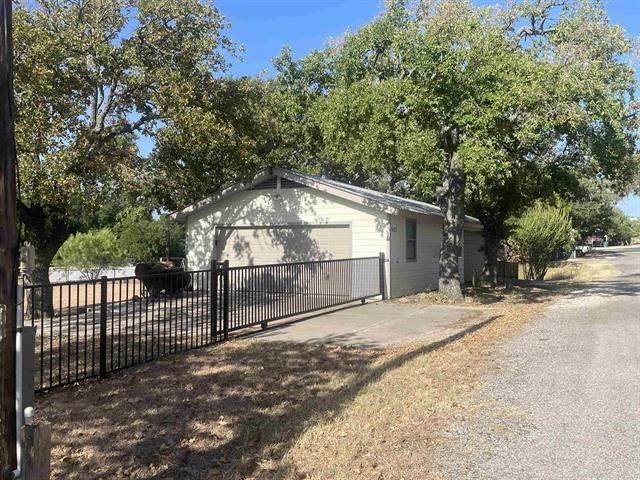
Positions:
(90, 328)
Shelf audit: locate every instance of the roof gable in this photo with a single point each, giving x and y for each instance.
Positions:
(264, 180)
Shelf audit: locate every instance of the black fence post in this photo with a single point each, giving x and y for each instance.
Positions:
(103, 326)
(383, 290)
(225, 302)
(213, 304)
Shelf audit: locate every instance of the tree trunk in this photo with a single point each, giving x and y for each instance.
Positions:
(451, 199)
(46, 231)
(490, 272)
(43, 301)
(493, 233)
(493, 219)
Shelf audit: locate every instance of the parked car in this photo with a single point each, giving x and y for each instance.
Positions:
(582, 250)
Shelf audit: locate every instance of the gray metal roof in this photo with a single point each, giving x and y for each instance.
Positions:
(373, 196)
(388, 199)
(385, 201)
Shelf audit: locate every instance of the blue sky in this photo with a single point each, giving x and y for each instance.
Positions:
(264, 26)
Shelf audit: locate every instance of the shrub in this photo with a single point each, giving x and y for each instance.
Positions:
(90, 252)
(542, 231)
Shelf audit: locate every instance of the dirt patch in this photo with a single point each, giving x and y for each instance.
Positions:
(81, 296)
(248, 410)
(501, 295)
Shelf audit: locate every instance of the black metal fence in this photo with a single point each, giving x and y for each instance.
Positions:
(262, 293)
(90, 328)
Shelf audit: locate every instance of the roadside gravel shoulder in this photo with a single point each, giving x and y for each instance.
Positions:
(563, 402)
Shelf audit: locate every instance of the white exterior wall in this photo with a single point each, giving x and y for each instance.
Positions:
(408, 276)
(412, 276)
(474, 257)
(369, 227)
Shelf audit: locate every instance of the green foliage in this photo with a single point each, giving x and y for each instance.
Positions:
(538, 92)
(233, 128)
(635, 228)
(90, 252)
(620, 230)
(539, 233)
(595, 212)
(143, 239)
(592, 217)
(90, 76)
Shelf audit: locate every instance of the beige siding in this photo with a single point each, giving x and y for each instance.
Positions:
(369, 227)
(412, 276)
(264, 245)
(473, 253)
(408, 276)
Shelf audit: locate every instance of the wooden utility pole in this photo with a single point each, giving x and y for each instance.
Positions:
(8, 247)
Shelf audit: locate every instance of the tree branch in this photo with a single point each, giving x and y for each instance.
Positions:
(125, 128)
(107, 105)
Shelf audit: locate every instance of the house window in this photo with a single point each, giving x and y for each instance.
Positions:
(412, 231)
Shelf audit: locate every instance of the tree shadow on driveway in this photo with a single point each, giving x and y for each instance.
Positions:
(231, 411)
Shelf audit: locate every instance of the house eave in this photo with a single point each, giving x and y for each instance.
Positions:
(474, 225)
(336, 191)
(181, 216)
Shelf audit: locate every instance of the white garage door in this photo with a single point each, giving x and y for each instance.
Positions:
(282, 244)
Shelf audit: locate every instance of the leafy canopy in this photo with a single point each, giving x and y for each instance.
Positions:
(233, 128)
(90, 76)
(144, 239)
(538, 91)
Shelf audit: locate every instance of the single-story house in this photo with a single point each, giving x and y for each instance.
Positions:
(285, 216)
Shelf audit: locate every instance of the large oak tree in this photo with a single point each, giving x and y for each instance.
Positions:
(91, 76)
(487, 107)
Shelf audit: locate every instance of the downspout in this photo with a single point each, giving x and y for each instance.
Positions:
(19, 390)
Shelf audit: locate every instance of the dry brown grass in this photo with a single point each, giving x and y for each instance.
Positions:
(277, 410)
(584, 271)
(219, 412)
(484, 295)
(393, 427)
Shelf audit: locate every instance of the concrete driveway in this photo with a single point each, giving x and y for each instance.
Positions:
(379, 324)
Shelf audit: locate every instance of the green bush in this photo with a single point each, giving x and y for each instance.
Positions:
(143, 238)
(542, 231)
(90, 252)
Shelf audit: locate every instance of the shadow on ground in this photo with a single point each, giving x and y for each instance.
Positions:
(522, 291)
(230, 411)
(233, 410)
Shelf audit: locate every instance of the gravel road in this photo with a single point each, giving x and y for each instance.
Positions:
(565, 403)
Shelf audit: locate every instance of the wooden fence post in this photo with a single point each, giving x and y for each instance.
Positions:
(36, 445)
(9, 250)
